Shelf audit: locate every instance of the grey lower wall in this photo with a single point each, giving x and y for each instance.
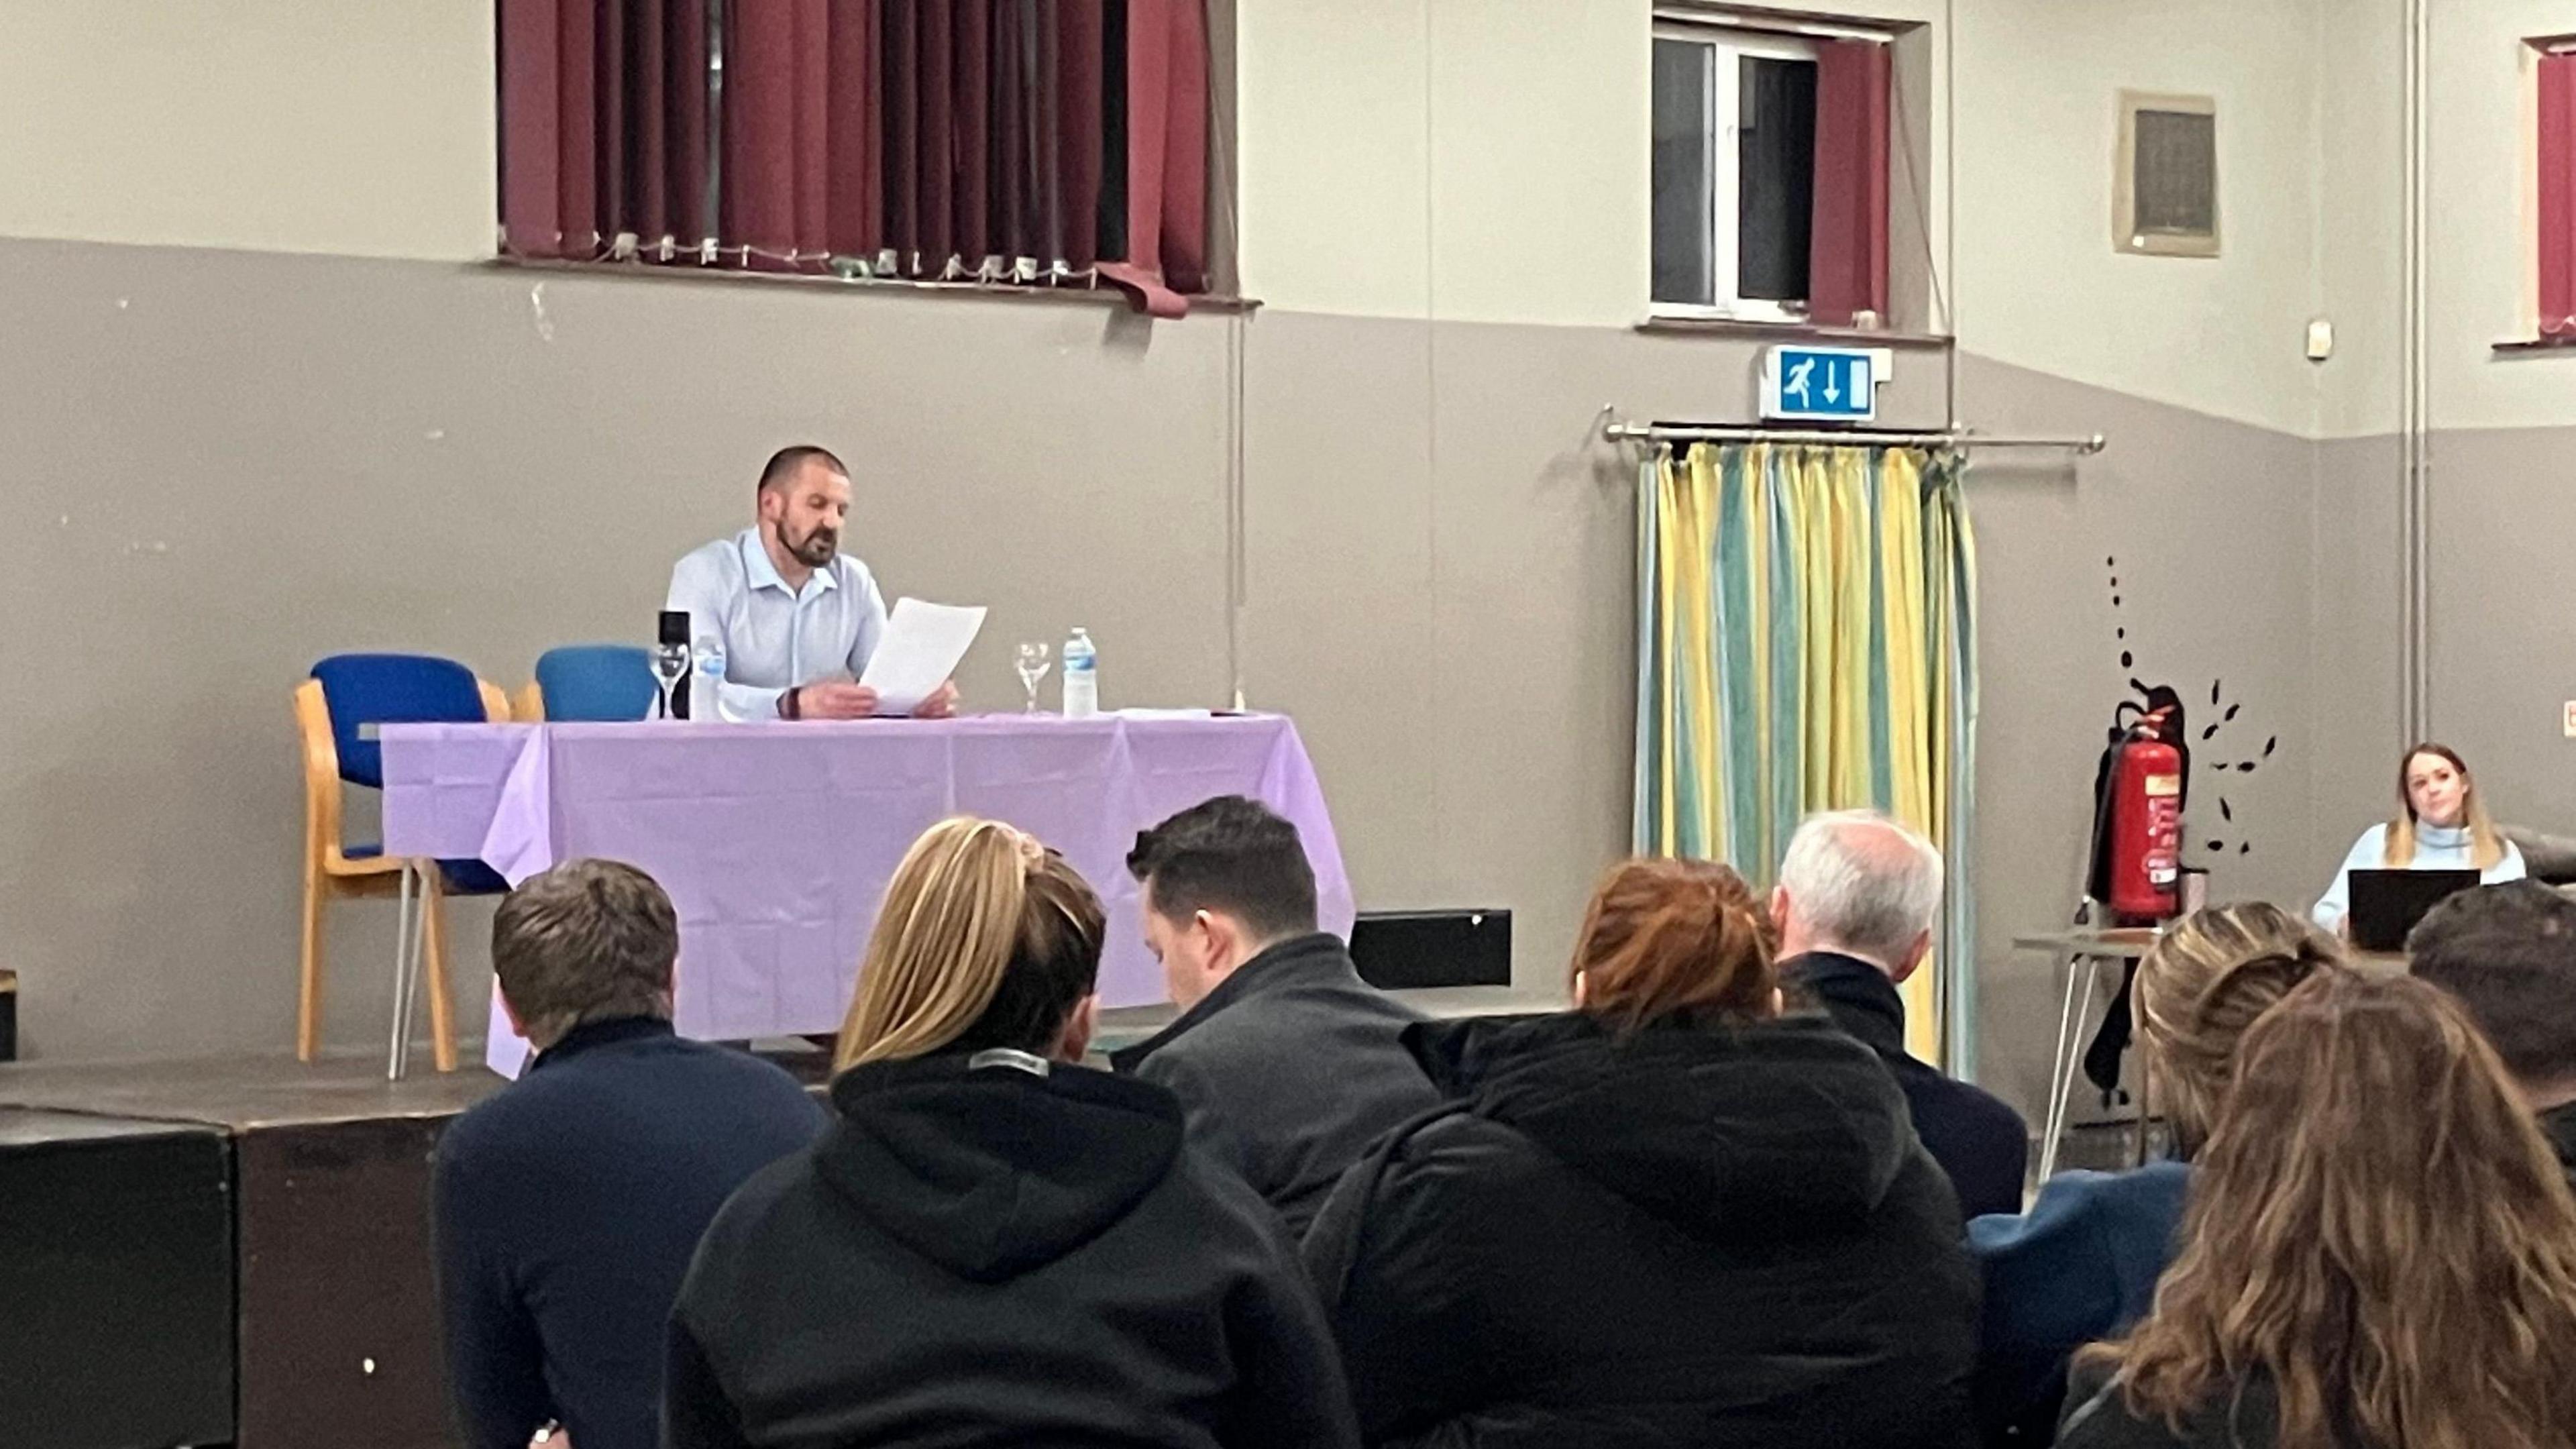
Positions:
(2209, 523)
(2503, 634)
(2357, 707)
(215, 467)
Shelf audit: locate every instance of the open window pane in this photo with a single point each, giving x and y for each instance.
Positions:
(1684, 217)
(1775, 206)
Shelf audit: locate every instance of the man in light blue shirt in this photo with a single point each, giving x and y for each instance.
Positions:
(798, 618)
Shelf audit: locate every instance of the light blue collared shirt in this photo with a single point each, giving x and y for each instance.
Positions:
(776, 639)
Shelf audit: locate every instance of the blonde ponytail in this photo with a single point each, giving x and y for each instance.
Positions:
(943, 941)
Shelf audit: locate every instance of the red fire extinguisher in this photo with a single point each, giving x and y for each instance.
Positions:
(2146, 824)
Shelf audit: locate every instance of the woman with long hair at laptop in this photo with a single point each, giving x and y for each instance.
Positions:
(2440, 824)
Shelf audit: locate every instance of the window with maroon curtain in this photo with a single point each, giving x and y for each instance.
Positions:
(1847, 247)
(1770, 174)
(1031, 142)
(2557, 155)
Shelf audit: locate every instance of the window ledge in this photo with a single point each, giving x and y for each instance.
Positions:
(1793, 332)
(2526, 346)
(1078, 294)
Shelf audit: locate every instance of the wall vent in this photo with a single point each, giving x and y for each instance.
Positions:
(2165, 197)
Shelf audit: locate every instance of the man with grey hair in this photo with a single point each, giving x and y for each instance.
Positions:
(568, 1205)
(1857, 896)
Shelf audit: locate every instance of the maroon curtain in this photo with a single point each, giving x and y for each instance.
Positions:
(2558, 195)
(1847, 247)
(1166, 133)
(854, 181)
(1042, 139)
(1082, 44)
(602, 125)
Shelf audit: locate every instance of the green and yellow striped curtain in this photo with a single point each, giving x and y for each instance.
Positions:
(1806, 640)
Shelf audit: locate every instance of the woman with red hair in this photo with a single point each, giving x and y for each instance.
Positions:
(1669, 1216)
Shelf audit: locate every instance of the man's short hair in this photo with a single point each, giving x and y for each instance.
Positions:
(1230, 855)
(586, 941)
(783, 464)
(1862, 882)
(2508, 952)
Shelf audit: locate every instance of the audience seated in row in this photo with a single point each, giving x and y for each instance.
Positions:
(992, 1244)
(567, 1206)
(1677, 1213)
(1856, 902)
(2379, 1252)
(1669, 1216)
(2082, 1264)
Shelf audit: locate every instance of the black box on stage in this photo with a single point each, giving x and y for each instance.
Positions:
(8, 1016)
(116, 1282)
(1398, 949)
(339, 1313)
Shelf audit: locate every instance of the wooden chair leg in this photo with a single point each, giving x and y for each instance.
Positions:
(308, 1004)
(433, 907)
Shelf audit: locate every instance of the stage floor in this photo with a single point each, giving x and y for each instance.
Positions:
(246, 1091)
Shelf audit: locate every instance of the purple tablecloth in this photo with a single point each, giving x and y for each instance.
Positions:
(776, 840)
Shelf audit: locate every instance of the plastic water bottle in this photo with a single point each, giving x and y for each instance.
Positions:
(1081, 676)
(706, 680)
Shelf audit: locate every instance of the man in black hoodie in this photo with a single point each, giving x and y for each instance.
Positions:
(1287, 1064)
(2508, 952)
(1855, 904)
(993, 1245)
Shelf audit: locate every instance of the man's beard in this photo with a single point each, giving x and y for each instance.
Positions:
(816, 548)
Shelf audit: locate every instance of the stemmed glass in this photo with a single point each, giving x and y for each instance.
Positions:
(670, 661)
(1032, 664)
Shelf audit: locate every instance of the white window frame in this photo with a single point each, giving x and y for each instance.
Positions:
(1722, 111)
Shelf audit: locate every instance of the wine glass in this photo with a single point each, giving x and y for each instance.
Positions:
(1031, 661)
(670, 661)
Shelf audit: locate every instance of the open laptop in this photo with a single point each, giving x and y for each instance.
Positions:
(2386, 904)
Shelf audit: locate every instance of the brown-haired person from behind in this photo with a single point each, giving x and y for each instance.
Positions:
(2082, 1263)
(1669, 1216)
(2380, 1251)
(567, 1204)
(993, 1245)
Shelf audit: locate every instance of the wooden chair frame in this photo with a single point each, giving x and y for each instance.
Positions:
(331, 875)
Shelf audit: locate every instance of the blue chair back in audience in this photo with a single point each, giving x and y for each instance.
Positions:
(596, 682)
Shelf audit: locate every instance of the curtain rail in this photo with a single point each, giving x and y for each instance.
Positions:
(1617, 429)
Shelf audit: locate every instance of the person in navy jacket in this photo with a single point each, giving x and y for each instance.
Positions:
(567, 1206)
(1855, 904)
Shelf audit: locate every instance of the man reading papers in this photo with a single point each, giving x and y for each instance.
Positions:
(798, 618)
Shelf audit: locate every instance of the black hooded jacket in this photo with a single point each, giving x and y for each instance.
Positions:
(990, 1256)
(1704, 1235)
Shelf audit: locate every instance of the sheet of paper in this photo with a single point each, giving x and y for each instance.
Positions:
(922, 647)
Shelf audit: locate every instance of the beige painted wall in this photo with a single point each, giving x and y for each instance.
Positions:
(277, 125)
(1471, 160)
(2483, 288)
(2360, 221)
(2039, 284)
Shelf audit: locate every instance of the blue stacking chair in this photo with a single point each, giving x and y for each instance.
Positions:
(591, 682)
(347, 693)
